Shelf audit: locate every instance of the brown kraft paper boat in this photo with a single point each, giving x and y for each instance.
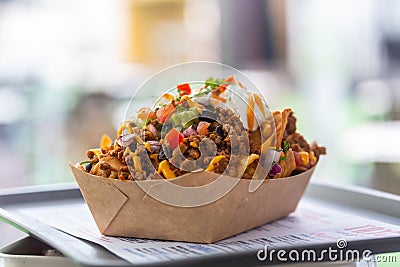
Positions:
(123, 208)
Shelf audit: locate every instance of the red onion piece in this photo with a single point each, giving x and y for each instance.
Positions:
(126, 139)
(154, 146)
(275, 170)
(272, 156)
(153, 130)
(188, 131)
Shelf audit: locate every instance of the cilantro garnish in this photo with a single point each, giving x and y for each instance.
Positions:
(205, 91)
(285, 146)
(209, 85)
(212, 83)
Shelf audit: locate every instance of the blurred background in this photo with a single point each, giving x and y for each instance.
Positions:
(69, 67)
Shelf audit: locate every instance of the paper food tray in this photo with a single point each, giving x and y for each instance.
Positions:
(124, 208)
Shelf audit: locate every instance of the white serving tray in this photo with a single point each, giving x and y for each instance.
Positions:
(27, 252)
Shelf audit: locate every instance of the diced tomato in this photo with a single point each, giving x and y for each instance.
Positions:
(223, 87)
(217, 97)
(174, 138)
(164, 111)
(230, 79)
(202, 128)
(184, 89)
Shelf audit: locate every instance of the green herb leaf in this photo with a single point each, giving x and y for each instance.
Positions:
(282, 158)
(85, 162)
(285, 146)
(212, 83)
(203, 92)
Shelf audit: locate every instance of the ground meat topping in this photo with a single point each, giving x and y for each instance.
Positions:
(222, 135)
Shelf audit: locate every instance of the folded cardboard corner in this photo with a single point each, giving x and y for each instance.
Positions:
(129, 208)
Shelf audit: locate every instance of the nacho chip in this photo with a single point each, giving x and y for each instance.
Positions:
(280, 119)
(108, 166)
(288, 165)
(285, 115)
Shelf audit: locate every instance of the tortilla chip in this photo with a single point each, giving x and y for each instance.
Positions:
(280, 119)
(114, 163)
(288, 165)
(285, 115)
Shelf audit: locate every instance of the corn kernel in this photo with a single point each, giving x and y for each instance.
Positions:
(213, 161)
(105, 142)
(155, 158)
(252, 158)
(168, 96)
(193, 144)
(137, 163)
(165, 170)
(304, 158)
(147, 145)
(185, 98)
(120, 130)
